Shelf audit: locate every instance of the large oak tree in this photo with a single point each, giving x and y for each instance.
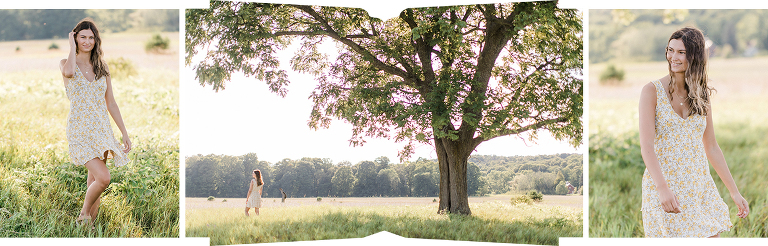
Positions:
(452, 77)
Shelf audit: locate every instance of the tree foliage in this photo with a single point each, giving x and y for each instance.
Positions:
(403, 77)
(230, 176)
(641, 35)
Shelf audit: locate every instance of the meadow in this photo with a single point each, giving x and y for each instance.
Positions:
(616, 167)
(41, 191)
(493, 219)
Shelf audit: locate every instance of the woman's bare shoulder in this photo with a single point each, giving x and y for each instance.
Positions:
(650, 87)
(648, 93)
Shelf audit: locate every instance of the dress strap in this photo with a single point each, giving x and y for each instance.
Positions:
(659, 91)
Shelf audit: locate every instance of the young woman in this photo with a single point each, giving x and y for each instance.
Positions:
(676, 140)
(253, 199)
(89, 133)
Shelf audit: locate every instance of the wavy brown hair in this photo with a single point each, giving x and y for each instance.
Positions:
(99, 65)
(259, 180)
(696, 74)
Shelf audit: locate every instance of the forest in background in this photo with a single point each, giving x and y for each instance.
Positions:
(641, 35)
(29, 24)
(229, 176)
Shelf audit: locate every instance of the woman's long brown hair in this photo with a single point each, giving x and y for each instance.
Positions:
(99, 66)
(259, 180)
(696, 74)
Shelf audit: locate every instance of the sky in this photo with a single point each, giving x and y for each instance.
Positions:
(248, 118)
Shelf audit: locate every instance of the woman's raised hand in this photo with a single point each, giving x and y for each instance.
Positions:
(72, 40)
(669, 201)
(742, 204)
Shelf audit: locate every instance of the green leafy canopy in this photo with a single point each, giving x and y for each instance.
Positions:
(461, 73)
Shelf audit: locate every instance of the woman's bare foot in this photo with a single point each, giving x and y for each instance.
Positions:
(83, 219)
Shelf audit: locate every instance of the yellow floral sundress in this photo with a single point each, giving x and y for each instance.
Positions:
(680, 151)
(89, 132)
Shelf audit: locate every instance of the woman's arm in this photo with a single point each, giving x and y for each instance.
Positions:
(67, 66)
(715, 156)
(115, 112)
(647, 115)
(250, 188)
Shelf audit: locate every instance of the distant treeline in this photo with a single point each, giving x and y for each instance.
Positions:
(27, 24)
(229, 176)
(641, 35)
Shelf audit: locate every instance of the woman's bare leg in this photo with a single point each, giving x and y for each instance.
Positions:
(246, 211)
(257, 210)
(100, 182)
(95, 207)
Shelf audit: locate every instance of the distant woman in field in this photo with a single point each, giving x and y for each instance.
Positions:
(253, 199)
(89, 133)
(676, 140)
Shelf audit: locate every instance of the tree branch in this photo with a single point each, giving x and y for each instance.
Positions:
(378, 64)
(507, 132)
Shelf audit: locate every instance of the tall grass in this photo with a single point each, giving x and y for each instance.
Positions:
(490, 222)
(616, 169)
(41, 192)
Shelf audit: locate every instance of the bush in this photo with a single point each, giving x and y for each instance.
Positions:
(18, 48)
(121, 68)
(611, 75)
(211, 198)
(225, 200)
(319, 199)
(535, 196)
(521, 199)
(157, 44)
(434, 200)
(53, 46)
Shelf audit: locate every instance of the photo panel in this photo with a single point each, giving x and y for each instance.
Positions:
(314, 122)
(89, 104)
(633, 54)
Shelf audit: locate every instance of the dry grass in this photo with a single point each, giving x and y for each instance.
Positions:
(203, 203)
(740, 96)
(34, 54)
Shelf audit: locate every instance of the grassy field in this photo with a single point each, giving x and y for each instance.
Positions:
(41, 192)
(616, 167)
(494, 219)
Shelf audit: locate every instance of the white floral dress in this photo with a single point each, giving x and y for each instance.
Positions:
(254, 201)
(89, 132)
(680, 151)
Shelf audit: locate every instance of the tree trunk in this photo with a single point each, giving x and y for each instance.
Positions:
(442, 160)
(452, 159)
